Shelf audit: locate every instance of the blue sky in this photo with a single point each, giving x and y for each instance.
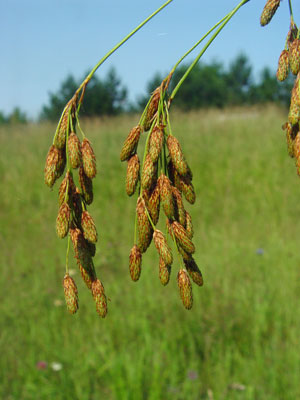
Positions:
(43, 41)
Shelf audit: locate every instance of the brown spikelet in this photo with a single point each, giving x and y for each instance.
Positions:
(63, 220)
(153, 204)
(194, 271)
(189, 225)
(86, 185)
(156, 142)
(149, 173)
(99, 297)
(162, 247)
(166, 195)
(184, 184)
(130, 144)
(294, 111)
(135, 263)
(83, 256)
(294, 56)
(152, 109)
(88, 159)
(89, 227)
(60, 137)
(268, 11)
(291, 132)
(144, 226)
(283, 66)
(164, 272)
(67, 184)
(180, 213)
(182, 237)
(133, 173)
(71, 294)
(176, 155)
(77, 205)
(297, 152)
(55, 165)
(185, 288)
(74, 150)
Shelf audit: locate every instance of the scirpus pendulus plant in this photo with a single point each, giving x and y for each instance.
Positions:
(162, 180)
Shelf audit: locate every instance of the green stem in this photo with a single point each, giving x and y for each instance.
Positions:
(226, 20)
(67, 256)
(89, 76)
(291, 10)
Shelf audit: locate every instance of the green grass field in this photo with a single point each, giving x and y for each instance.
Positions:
(241, 340)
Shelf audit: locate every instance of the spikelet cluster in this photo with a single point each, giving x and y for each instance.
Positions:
(73, 219)
(162, 180)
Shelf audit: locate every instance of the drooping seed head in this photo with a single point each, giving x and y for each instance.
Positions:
(63, 220)
(135, 263)
(86, 185)
(71, 294)
(130, 144)
(55, 165)
(182, 237)
(153, 204)
(152, 109)
(162, 247)
(176, 155)
(133, 173)
(283, 66)
(294, 56)
(184, 185)
(74, 150)
(164, 272)
(77, 205)
(180, 213)
(156, 142)
(149, 173)
(99, 297)
(185, 288)
(60, 137)
(88, 159)
(166, 195)
(294, 111)
(189, 225)
(268, 11)
(89, 227)
(194, 271)
(67, 185)
(83, 256)
(145, 230)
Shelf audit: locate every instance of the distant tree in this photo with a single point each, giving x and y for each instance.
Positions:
(102, 97)
(17, 116)
(238, 80)
(3, 118)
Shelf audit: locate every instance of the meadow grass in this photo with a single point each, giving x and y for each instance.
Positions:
(240, 340)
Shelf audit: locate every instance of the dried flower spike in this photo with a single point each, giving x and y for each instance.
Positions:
(176, 155)
(164, 272)
(130, 144)
(88, 159)
(55, 165)
(283, 66)
(86, 185)
(89, 227)
(144, 226)
(149, 173)
(63, 220)
(99, 297)
(135, 263)
(294, 56)
(268, 11)
(166, 195)
(132, 176)
(74, 150)
(156, 142)
(182, 237)
(185, 289)
(71, 294)
(162, 247)
(152, 109)
(194, 271)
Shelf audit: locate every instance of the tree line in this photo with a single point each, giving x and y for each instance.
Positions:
(208, 85)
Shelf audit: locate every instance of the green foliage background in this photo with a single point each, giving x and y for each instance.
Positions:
(240, 340)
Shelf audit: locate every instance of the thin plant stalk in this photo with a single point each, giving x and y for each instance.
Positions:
(227, 19)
